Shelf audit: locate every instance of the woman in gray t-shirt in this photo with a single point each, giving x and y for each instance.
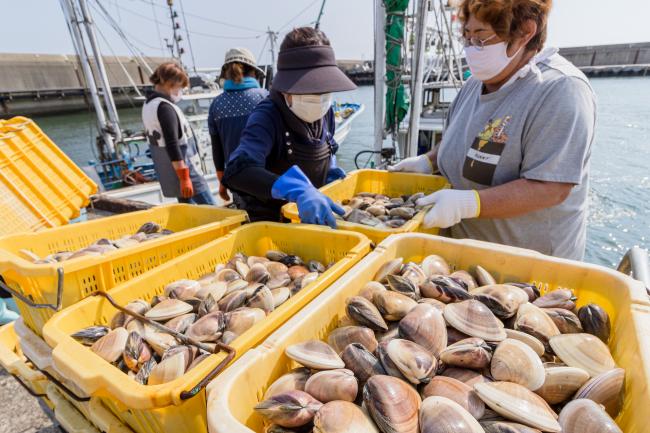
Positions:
(518, 139)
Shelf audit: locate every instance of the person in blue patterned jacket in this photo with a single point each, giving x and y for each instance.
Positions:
(229, 111)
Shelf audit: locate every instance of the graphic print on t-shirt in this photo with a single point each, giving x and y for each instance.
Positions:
(483, 156)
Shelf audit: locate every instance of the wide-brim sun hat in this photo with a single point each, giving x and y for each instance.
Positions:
(310, 70)
(242, 55)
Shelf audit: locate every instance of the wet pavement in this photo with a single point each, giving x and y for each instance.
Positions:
(19, 411)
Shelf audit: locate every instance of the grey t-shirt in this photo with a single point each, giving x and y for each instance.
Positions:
(538, 129)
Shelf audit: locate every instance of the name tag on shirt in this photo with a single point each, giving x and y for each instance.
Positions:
(484, 155)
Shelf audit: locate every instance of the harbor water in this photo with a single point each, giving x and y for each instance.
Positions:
(619, 208)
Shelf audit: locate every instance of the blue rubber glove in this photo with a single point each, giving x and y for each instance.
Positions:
(313, 206)
(335, 172)
(6, 315)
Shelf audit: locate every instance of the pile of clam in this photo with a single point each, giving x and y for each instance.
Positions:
(423, 349)
(380, 211)
(146, 232)
(218, 307)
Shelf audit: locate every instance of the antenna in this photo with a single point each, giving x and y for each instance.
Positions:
(177, 38)
(320, 14)
(273, 37)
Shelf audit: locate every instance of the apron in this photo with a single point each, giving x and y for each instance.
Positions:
(169, 183)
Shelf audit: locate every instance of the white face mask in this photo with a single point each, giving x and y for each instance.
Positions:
(489, 61)
(176, 96)
(310, 108)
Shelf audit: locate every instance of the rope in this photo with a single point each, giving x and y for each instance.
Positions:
(187, 32)
(160, 38)
(298, 15)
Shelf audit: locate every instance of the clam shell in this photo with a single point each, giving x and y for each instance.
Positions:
(534, 321)
(416, 363)
(280, 296)
(506, 427)
(605, 389)
(565, 320)
(208, 328)
(294, 380)
(519, 404)
(558, 298)
(527, 339)
(444, 289)
(504, 300)
(343, 417)
(232, 301)
(468, 353)
(584, 351)
(475, 319)
(207, 305)
(456, 391)
(434, 265)
(330, 385)
(465, 375)
(426, 326)
(483, 277)
(393, 332)
(393, 305)
(440, 306)
(235, 286)
(454, 335)
(561, 383)
(91, 334)
(159, 341)
(365, 313)
(595, 321)
(583, 415)
(391, 267)
(262, 298)
(361, 362)
(182, 289)
(297, 271)
(414, 273)
(242, 319)
(341, 337)
(404, 286)
(276, 268)
(275, 256)
(388, 365)
(111, 345)
(136, 352)
(168, 309)
(531, 290)
(167, 370)
(392, 404)
(227, 275)
(442, 415)
(368, 291)
(315, 354)
(257, 274)
(307, 279)
(143, 374)
(466, 278)
(289, 409)
(216, 289)
(514, 361)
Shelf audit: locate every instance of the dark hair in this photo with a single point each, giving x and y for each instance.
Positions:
(169, 72)
(507, 17)
(236, 71)
(304, 37)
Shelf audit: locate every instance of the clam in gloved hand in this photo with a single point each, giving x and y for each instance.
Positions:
(380, 211)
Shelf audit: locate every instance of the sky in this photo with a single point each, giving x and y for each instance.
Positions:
(217, 25)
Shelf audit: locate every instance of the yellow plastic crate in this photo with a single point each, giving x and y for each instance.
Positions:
(232, 396)
(160, 408)
(40, 186)
(378, 182)
(75, 279)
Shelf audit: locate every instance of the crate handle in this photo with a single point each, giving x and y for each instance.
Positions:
(208, 377)
(27, 388)
(63, 387)
(26, 300)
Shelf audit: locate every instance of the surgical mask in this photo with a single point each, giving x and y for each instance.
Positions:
(310, 108)
(176, 96)
(488, 61)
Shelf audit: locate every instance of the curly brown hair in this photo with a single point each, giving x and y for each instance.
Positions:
(236, 71)
(304, 37)
(507, 17)
(169, 72)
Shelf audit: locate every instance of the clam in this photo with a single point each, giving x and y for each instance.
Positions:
(440, 306)
(528, 339)
(534, 321)
(111, 345)
(342, 417)
(456, 391)
(278, 281)
(391, 333)
(182, 289)
(307, 279)
(506, 427)
(280, 296)
(405, 213)
(387, 364)
(215, 289)
(136, 352)
(262, 298)
(233, 301)
(565, 320)
(471, 353)
(584, 351)
(393, 305)
(234, 286)
(316, 266)
(257, 274)
(391, 267)
(167, 370)
(519, 404)
(228, 337)
(294, 380)
(208, 328)
(425, 325)
(364, 312)
(454, 335)
(376, 210)
(341, 337)
(289, 409)
(531, 290)
(207, 305)
(595, 321)
(138, 306)
(561, 383)
(361, 362)
(188, 352)
(392, 404)
(558, 298)
(88, 336)
(275, 256)
(253, 260)
(330, 385)
(242, 319)
(414, 362)
(143, 374)
(414, 273)
(404, 286)
(159, 341)
(605, 389)
(276, 268)
(464, 277)
(434, 265)
(465, 375)
(483, 277)
(168, 309)
(444, 289)
(368, 291)
(504, 300)
(441, 415)
(475, 319)
(315, 354)
(297, 271)
(514, 361)
(242, 268)
(290, 260)
(584, 415)
(227, 275)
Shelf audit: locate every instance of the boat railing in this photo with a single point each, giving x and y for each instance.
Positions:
(635, 264)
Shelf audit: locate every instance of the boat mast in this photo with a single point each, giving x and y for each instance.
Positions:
(320, 14)
(173, 15)
(380, 84)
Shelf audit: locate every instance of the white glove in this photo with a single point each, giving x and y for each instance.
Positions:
(415, 164)
(449, 207)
